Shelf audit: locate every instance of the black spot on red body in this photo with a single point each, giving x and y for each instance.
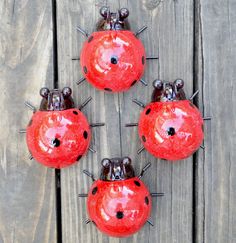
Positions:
(56, 142)
(137, 183)
(146, 200)
(171, 131)
(94, 191)
(114, 59)
(85, 134)
(90, 39)
(85, 69)
(120, 215)
(79, 157)
(148, 111)
(75, 112)
(107, 89)
(144, 138)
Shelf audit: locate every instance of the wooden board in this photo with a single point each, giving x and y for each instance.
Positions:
(27, 189)
(215, 182)
(170, 36)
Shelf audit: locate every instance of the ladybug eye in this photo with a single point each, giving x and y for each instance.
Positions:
(66, 91)
(124, 13)
(158, 84)
(104, 12)
(106, 163)
(179, 83)
(126, 161)
(44, 92)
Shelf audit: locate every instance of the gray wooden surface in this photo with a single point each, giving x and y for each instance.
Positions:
(196, 41)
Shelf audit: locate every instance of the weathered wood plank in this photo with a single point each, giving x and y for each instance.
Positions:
(169, 35)
(216, 220)
(27, 200)
(171, 26)
(103, 108)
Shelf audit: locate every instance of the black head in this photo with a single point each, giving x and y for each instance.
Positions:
(55, 99)
(116, 169)
(113, 21)
(168, 91)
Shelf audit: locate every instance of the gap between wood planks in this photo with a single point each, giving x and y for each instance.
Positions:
(55, 86)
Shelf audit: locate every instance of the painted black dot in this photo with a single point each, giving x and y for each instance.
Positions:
(143, 60)
(133, 83)
(107, 89)
(163, 159)
(148, 111)
(85, 134)
(90, 38)
(85, 69)
(30, 122)
(171, 131)
(79, 157)
(56, 142)
(75, 112)
(114, 59)
(137, 183)
(144, 138)
(94, 191)
(119, 215)
(146, 200)
(94, 223)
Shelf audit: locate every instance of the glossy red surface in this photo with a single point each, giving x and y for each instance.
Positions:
(96, 57)
(71, 131)
(187, 122)
(119, 208)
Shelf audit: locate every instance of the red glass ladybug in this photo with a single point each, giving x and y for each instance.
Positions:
(119, 203)
(170, 127)
(58, 134)
(113, 58)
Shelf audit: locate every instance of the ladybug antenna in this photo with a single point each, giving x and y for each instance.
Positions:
(206, 118)
(145, 168)
(157, 194)
(202, 147)
(29, 105)
(140, 150)
(141, 30)
(193, 95)
(82, 195)
(150, 222)
(83, 32)
(30, 156)
(87, 221)
(152, 58)
(75, 58)
(143, 82)
(85, 103)
(80, 81)
(86, 172)
(91, 150)
(139, 103)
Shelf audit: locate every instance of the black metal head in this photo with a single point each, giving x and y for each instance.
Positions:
(56, 100)
(113, 21)
(116, 169)
(168, 91)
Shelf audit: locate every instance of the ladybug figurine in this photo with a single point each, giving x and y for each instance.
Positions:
(113, 58)
(58, 134)
(119, 203)
(171, 126)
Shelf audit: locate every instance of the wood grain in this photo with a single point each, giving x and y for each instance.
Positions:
(170, 36)
(27, 197)
(215, 182)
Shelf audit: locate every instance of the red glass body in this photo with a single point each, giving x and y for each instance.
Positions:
(58, 138)
(187, 122)
(129, 198)
(96, 62)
